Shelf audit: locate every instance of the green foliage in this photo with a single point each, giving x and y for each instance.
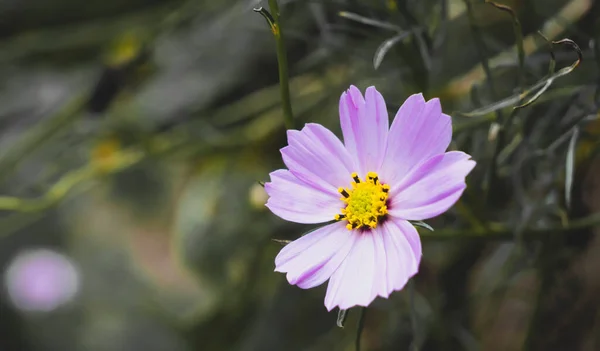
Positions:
(169, 226)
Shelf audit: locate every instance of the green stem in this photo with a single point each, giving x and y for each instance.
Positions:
(38, 135)
(283, 66)
(361, 326)
(505, 233)
(480, 48)
(413, 315)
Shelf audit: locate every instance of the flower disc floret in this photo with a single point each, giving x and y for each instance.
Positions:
(366, 202)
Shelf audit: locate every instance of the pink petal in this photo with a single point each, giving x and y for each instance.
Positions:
(352, 283)
(419, 131)
(380, 262)
(296, 201)
(364, 125)
(350, 101)
(431, 188)
(403, 253)
(317, 157)
(310, 260)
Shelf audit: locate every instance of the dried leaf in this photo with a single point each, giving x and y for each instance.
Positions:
(385, 47)
(570, 166)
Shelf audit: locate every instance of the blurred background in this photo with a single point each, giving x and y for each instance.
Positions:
(134, 136)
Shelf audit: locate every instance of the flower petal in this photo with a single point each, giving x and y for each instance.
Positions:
(364, 125)
(403, 252)
(295, 201)
(381, 261)
(352, 283)
(419, 131)
(350, 101)
(431, 188)
(310, 260)
(317, 157)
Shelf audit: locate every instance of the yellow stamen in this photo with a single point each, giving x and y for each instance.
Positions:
(366, 202)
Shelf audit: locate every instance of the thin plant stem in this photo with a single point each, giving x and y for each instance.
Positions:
(39, 134)
(495, 232)
(413, 315)
(480, 46)
(361, 326)
(277, 30)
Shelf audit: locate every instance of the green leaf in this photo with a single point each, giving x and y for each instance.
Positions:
(385, 47)
(341, 319)
(369, 21)
(281, 241)
(570, 166)
(422, 225)
(535, 91)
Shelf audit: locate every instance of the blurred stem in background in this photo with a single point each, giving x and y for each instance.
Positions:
(277, 30)
(360, 327)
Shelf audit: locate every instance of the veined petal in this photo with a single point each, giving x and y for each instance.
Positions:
(431, 188)
(364, 125)
(310, 260)
(403, 252)
(381, 261)
(317, 157)
(350, 101)
(352, 283)
(419, 131)
(296, 201)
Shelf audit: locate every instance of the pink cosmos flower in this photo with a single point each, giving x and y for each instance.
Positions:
(371, 185)
(41, 280)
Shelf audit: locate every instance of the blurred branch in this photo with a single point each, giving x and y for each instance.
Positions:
(501, 232)
(69, 38)
(97, 33)
(39, 134)
(413, 315)
(309, 94)
(369, 21)
(361, 326)
(476, 32)
(552, 28)
(274, 21)
(75, 36)
(68, 182)
(479, 44)
(537, 89)
(518, 38)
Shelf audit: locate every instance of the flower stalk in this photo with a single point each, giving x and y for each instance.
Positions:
(284, 85)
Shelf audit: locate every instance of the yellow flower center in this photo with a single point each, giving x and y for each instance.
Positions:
(366, 202)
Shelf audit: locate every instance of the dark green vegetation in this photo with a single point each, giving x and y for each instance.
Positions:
(133, 134)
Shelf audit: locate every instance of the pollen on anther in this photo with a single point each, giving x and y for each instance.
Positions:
(343, 192)
(373, 176)
(339, 217)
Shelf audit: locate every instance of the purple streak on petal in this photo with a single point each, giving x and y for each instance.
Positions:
(296, 201)
(431, 188)
(317, 157)
(419, 131)
(310, 260)
(365, 127)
